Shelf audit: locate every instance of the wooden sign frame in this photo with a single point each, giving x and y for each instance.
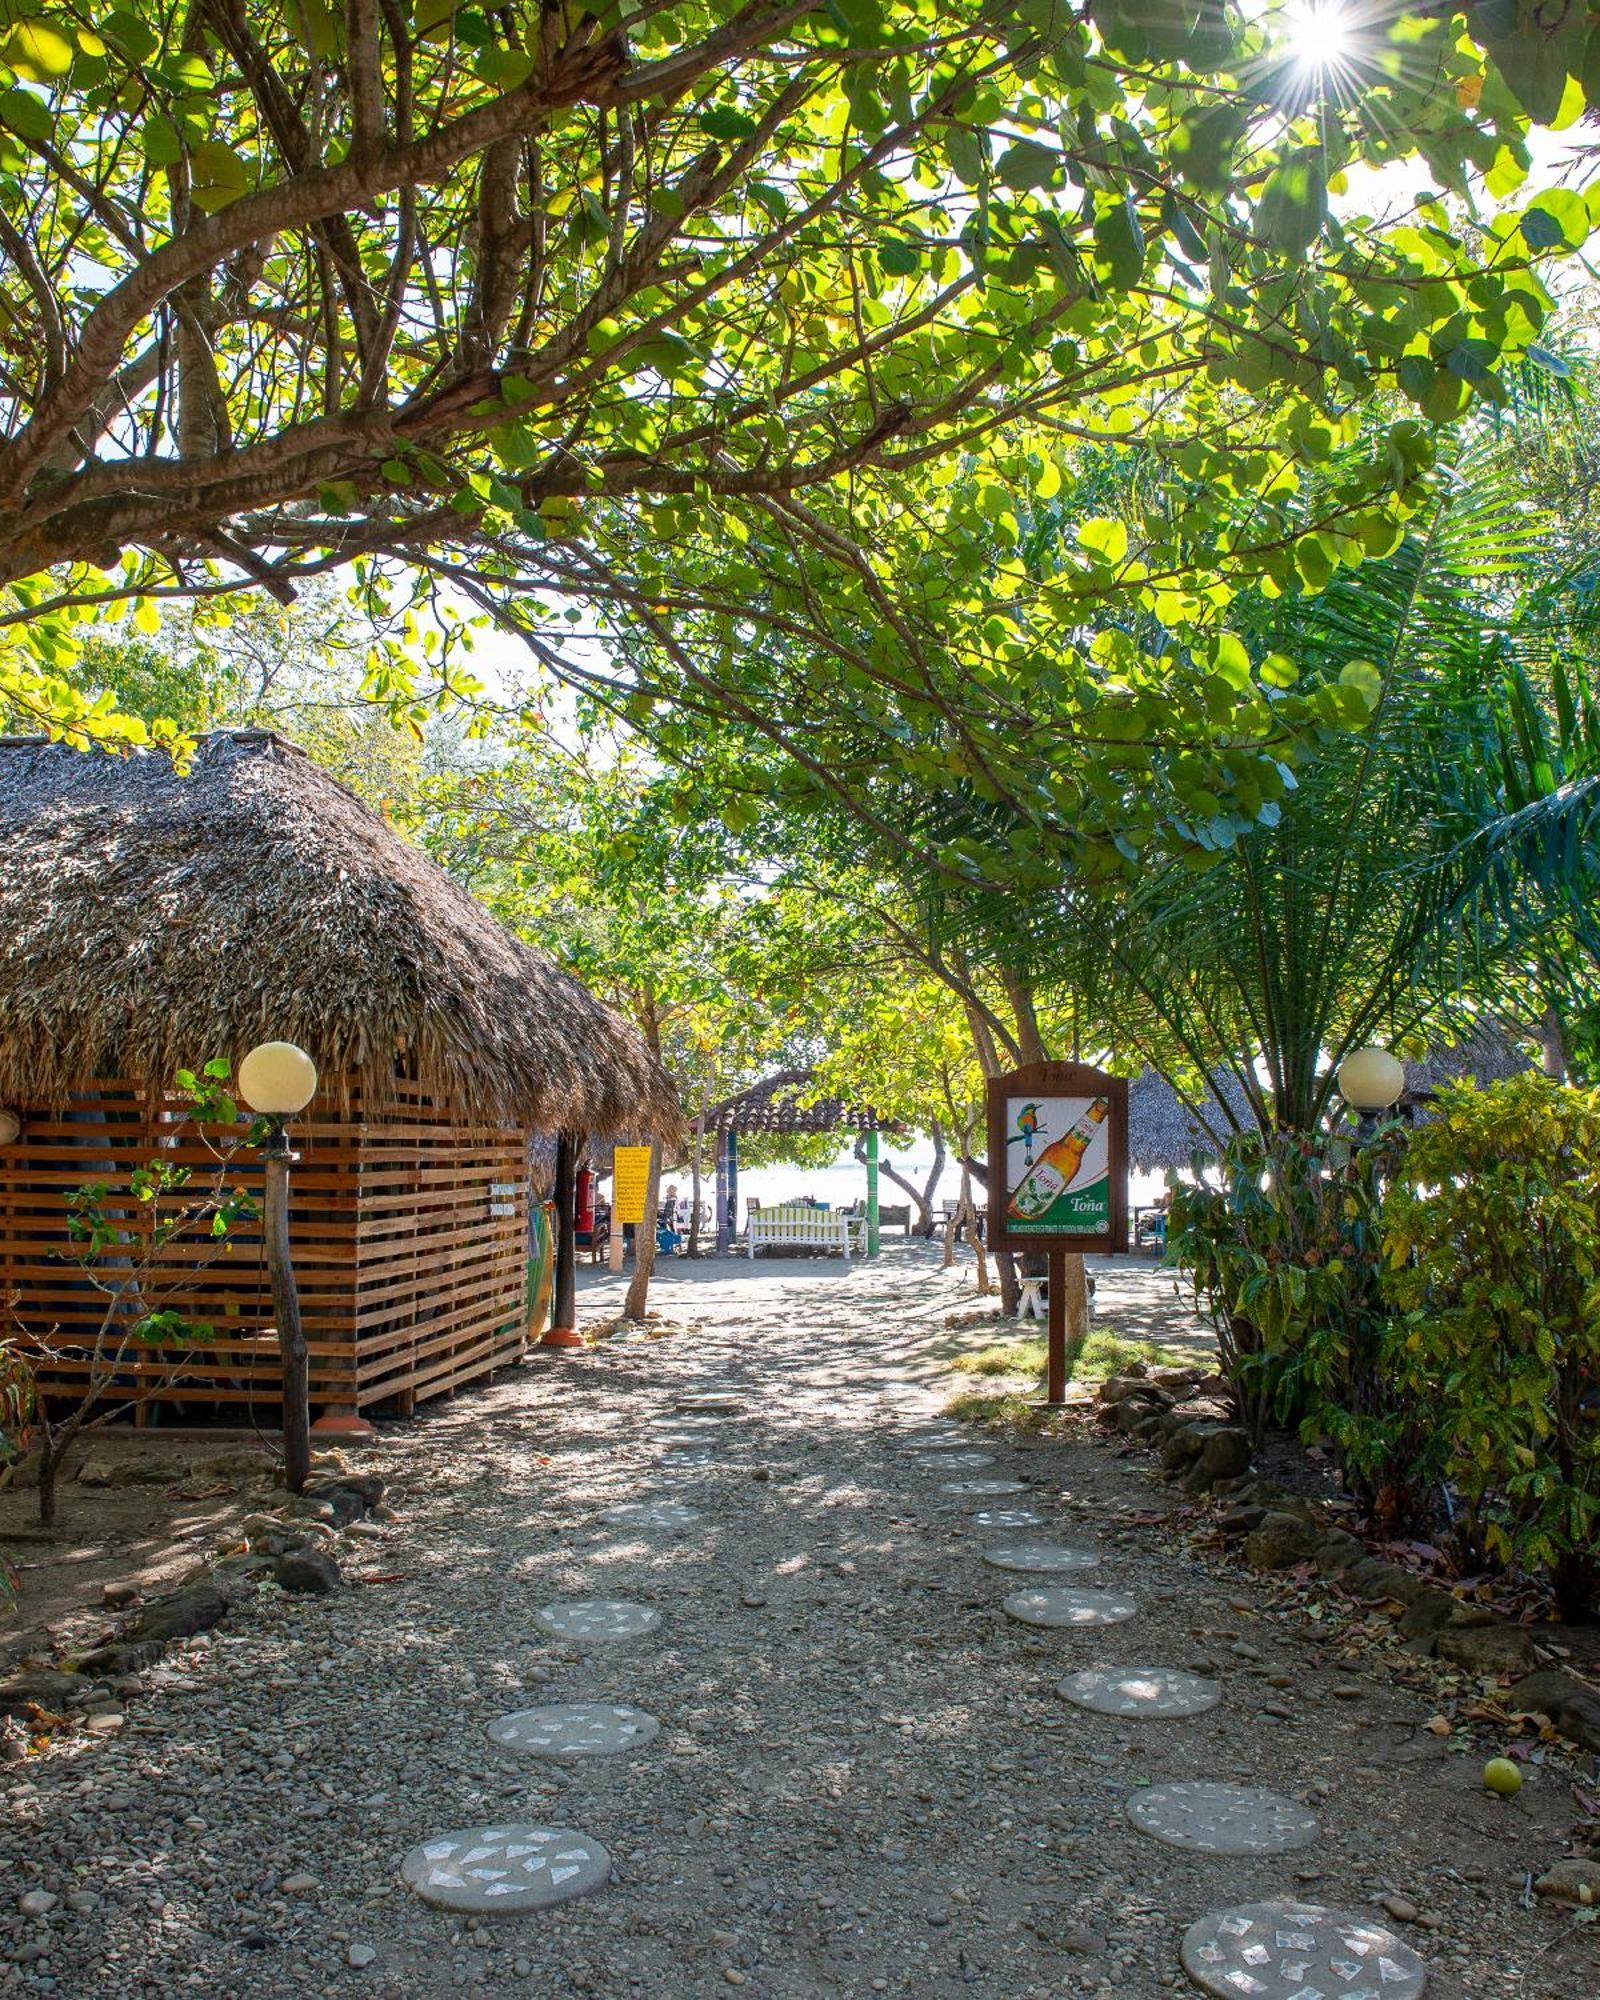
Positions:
(1047, 1080)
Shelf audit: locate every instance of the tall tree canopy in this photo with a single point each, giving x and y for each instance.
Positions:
(289, 283)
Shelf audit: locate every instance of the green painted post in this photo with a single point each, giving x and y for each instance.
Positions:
(872, 1194)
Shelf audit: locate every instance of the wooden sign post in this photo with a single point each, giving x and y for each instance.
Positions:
(1058, 1178)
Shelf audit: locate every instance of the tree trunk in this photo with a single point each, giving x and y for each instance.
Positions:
(644, 1240)
(697, 1144)
(1554, 1045)
(928, 1225)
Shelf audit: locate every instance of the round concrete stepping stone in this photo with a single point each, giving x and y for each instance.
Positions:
(1223, 1819)
(1054, 1606)
(970, 1459)
(1007, 1517)
(1045, 1557)
(1140, 1691)
(1297, 1951)
(506, 1868)
(653, 1514)
(574, 1729)
(713, 1403)
(592, 1618)
(954, 1441)
(688, 1454)
(984, 1489)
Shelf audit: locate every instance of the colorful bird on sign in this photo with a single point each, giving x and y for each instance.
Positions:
(1027, 1130)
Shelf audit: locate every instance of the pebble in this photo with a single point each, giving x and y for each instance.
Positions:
(360, 1956)
(1401, 1908)
(37, 1903)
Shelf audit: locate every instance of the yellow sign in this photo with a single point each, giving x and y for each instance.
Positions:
(630, 1179)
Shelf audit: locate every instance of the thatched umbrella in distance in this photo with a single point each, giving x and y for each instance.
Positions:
(1167, 1129)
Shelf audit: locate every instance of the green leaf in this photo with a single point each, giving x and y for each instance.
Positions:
(21, 112)
(899, 259)
(1363, 677)
(1118, 240)
(1557, 220)
(38, 51)
(964, 150)
(217, 175)
(1027, 164)
(163, 146)
(1293, 205)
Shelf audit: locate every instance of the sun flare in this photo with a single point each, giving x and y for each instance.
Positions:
(1318, 32)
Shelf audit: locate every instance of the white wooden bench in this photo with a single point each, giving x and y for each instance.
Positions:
(794, 1226)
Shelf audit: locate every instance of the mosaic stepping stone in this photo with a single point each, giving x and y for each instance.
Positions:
(952, 1441)
(1059, 1607)
(970, 1459)
(712, 1403)
(984, 1489)
(1007, 1517)
(1223, 1819)
(506, 1869)
(689, 1454)
(1140, 1691)
(653, 1514)
(1045, 1557)
(591, 1618)
(574, 1729)
(1299, 1951)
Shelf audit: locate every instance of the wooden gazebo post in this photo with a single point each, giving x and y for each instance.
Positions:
(723, 1238)
(874, 1238)
(733, 1184)
(564, 1306)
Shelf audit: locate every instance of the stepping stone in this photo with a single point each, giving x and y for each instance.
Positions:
(1046, 1557)
(1223, 1819)
(688, 1454)
(1007, 1517)
(1058, 1607)
(972, 1459)
(1292, 1951)
(1140, 1691)
(574, 1729)
(506, 1868)
(653, 1514)
(591, 1618)
(955, 1441)
(984, 1489)
(714, 1403)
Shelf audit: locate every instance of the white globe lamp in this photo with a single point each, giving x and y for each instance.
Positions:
(277, 1079)
(1371, 1080)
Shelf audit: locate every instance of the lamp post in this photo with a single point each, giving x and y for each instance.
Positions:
(276, 1080)
(1370, 1080)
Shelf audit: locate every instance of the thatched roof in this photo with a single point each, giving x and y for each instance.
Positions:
(771, 1106)
(1486, 1055)
(1165, 1130)
(153, 922)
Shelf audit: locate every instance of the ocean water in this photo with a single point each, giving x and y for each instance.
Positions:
(845, 1181)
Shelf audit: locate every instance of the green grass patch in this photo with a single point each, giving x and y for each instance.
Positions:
(1105, 1353)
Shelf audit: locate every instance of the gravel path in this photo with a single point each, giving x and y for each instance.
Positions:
(864, 1781)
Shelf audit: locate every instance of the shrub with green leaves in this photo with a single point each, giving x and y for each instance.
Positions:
(1285, 1258)
(1492, 1249)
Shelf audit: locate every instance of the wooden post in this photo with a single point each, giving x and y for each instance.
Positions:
(724, 1138)
(873, 1237)
(564, 1309)
(1055, 1378)
(286, 1306)
(733, 1185)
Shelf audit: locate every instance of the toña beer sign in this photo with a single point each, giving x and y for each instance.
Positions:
(1058, 1159)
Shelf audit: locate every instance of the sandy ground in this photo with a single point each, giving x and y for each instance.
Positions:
(865, 1781)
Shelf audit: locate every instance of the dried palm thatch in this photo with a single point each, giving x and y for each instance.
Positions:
(778, 1103)
(154, 921)
(1486, 1055)
(1166, 1130)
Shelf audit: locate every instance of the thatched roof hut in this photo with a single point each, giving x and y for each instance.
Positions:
(1166, 1130)
(781, 1103)
(154, 921)
(1485, 1055)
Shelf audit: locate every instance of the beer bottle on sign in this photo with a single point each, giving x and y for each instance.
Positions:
(1056, 1165)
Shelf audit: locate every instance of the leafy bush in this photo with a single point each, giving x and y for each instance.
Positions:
(1492, 1249)
(1286, 1260)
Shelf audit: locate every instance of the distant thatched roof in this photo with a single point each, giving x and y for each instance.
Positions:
(1165, 1132)
(770, 1106)
(1487, 1055)
(153, 922)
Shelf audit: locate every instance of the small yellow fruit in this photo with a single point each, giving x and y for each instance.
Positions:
(1502, 1776)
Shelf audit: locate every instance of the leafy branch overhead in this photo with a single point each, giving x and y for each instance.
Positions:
(290, 285)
